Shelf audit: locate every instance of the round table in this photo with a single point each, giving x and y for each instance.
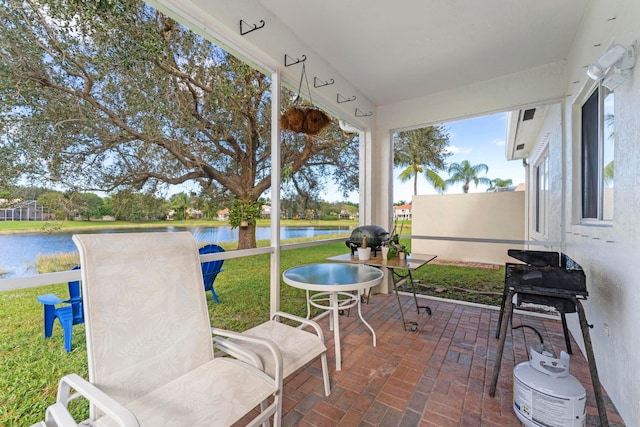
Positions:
(332, 280)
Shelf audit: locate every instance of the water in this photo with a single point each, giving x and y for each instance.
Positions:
(18, 252)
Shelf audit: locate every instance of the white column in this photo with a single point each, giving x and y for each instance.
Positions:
(275, 192)
(364, 179)
(380, 194)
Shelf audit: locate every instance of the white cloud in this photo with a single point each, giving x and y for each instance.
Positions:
(454, 149)
(499, 142)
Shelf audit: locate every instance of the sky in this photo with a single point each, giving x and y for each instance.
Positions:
(478, 140)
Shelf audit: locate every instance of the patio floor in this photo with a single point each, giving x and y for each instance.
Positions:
(437, 376)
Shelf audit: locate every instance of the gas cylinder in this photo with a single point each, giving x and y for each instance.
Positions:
(545, 394)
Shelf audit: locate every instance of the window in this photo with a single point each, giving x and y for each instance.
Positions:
(542, 194)
(597, 155)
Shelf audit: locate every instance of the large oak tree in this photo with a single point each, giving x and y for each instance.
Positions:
(110, 95)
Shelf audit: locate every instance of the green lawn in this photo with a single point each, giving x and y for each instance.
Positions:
(472, 284)
(30, 366)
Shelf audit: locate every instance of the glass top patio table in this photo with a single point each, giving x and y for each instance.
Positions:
(400, 271)
(331, 280)
(333, 277)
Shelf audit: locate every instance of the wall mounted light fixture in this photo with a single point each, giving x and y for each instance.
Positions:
(618, 57)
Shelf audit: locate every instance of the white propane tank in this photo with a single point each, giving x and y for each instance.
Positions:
(545, 394)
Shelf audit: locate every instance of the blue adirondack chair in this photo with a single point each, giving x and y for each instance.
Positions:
(68, 312)
(210, 269)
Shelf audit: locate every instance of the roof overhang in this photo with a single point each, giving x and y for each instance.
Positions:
(387, 58)
(523, 129)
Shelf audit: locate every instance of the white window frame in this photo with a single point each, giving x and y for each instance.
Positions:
(541, 195)
(597, 192)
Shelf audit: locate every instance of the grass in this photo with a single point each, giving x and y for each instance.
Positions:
(473, 284)
(30, 366)
(11, 227)
(46, 263)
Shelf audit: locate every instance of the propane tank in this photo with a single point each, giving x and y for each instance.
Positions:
(545, 394)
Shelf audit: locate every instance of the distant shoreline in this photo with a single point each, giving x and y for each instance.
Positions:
(67, 226)
(25, 227)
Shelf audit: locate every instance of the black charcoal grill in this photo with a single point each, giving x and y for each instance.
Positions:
(548, 272)
(376, 237)
(549, 279)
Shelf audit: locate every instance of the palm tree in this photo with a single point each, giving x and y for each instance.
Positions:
(181, 202)
(609, 120)
(412, 171)
(608, 174)
(422, 151)
(499, 183)
(464, 172)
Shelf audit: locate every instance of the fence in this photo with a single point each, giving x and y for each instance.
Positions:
(477, 227)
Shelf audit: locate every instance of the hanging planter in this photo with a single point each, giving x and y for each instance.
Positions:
(306, 120)
(309, 121)
(244, 213)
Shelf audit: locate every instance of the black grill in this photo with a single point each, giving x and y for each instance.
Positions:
(376, 237)
(549, 279)
(549, 272)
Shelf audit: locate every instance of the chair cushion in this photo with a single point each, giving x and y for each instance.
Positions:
(298, 347)
(217, 393)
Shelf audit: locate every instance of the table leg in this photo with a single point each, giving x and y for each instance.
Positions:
(395, 289)
(365, 322)
(335, 307)
(395, 278)
(415, 297)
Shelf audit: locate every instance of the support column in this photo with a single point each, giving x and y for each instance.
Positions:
(275, 193)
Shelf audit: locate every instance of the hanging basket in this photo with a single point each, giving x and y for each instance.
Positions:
(309, 121)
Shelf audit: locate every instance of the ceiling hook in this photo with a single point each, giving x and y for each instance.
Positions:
(319, 83)
(251, 27)
(297, 60)
(340, 99)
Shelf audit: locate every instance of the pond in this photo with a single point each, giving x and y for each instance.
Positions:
(18, 252)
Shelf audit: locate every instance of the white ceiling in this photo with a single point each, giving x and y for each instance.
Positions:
(383, 53)
(397, 50)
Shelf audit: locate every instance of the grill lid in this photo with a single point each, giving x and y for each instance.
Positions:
(376, 237)
(545, 271)
(536, 258)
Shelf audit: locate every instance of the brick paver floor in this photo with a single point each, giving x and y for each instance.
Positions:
(436, 376)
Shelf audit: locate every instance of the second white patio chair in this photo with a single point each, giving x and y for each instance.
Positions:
(149, 342)
(297, 346)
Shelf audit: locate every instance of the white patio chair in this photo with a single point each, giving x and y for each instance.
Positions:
(149, 342)
(297, 346)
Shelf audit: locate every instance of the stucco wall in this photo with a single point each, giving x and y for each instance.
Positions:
(608, 252)
(549, 143)
(473, 215)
